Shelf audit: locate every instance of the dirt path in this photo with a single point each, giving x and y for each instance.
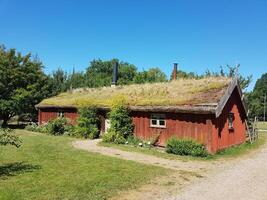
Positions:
(91, 145)
(245, 179)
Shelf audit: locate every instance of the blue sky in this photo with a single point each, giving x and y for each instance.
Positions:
(199, 35)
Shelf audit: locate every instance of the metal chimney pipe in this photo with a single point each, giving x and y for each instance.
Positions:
(115, 74)
(174, 72)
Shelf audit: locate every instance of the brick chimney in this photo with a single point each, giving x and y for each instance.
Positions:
(174, 71)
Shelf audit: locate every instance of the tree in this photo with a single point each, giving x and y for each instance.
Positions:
(100, 73)
(23, 84)
(59, 81)
(256, 98)
(153, 75)
(7, 138)
(75, 80)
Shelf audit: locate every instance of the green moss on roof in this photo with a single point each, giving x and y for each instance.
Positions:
(179, 92)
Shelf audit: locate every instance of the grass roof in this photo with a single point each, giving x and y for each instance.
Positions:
(173, 93)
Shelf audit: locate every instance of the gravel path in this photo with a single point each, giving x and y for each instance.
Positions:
(245, 179)
(91, 145)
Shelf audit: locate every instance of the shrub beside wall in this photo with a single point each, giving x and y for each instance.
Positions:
(121, 126)
(57, 126)
(185, 147)
(87, 123)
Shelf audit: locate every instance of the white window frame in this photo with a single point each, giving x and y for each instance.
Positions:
(231, 118)
(158, 118)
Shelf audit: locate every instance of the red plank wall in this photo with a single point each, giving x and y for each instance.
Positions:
(227, 137)
(177, 124)
(46, 114)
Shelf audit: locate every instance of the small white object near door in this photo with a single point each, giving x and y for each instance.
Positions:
(107, 125)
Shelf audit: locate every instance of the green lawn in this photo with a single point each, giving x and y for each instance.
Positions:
(48, 167)
(227, 153)
(262, 125)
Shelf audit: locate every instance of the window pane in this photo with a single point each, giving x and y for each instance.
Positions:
(230, 120)
(162, 123)
(154, 122)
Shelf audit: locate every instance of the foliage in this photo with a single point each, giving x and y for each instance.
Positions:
(185, 147)
(121, 126)
(132, 140)
(153, 75)
(7, 137)
(34, 127)
(23, 84)
(59, 79)
(99, 73)
(87, 123)
(120, 121)
(113, 137)
(60, 172)
(57, 126)
(256, 98)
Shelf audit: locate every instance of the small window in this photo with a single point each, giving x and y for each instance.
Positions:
(231, 120)
(158, 121)
(60, 114)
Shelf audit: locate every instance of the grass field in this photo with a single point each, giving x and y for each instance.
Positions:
(262, 125)
(48, 167)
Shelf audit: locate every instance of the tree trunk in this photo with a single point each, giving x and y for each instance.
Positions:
(4, 124)
(5, 120)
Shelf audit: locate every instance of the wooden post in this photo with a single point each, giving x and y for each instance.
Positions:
(209, 136)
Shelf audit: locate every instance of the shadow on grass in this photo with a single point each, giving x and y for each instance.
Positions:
(16, 168)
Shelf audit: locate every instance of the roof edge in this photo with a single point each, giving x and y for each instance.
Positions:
(234, 84)
(174, 109)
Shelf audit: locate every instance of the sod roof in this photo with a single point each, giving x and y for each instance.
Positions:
(205, 92)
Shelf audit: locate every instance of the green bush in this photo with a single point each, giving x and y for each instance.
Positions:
(7, 137)
(120, 121)
(89, 132)
(35, 128)
(113, 137)
(57, 126)
(185, 147)
(132, 140)
(87, 123)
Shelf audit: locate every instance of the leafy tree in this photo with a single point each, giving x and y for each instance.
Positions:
(99, 73)
(151, 76)
(233, 72)
(59, 81)
(23, 84)
(75, 80)
(256, 98)
(7, 138)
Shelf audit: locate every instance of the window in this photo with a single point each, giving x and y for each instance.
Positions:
(60, 114)
(230, 120)
(158, 121)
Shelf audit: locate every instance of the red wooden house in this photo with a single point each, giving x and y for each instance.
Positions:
(209, 110)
